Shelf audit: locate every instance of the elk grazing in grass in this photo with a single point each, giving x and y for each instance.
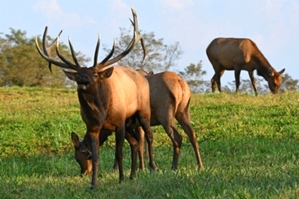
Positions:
(84, 156)
(108, 96)
(170, 98)
(240, 54)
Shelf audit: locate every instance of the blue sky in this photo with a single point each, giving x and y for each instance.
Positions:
(272, 24)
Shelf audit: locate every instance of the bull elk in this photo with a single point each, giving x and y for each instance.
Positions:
(240, 54)
(108, 96)
(170, 98)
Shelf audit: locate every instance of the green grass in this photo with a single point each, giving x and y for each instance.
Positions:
(249, 146)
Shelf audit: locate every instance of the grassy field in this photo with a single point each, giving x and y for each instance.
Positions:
(249, 146)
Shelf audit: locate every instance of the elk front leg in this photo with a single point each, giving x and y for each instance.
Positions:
(94, 143)
(250, 73)
(237, 78)
(141, 147)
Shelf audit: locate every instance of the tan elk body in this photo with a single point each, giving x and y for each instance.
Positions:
(240, 54)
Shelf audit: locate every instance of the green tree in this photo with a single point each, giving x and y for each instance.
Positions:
(288, 83)
(193, 76)
(160, 56)
(22, 65)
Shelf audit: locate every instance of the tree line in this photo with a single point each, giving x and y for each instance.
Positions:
(21, 64)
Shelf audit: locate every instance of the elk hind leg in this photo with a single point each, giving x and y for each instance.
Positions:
(184, 121)
(176, 139)
(215, 81)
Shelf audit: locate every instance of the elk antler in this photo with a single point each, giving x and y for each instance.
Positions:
(46, 51)
(75, 66)
(141, 39)
(135, 39)
(65, 63)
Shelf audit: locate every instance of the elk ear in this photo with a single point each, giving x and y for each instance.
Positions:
(280, 72)
(70, 75)
(106, 73)
(75, 139)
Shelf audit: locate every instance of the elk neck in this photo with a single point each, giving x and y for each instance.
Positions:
(95, 104)
(263, 66)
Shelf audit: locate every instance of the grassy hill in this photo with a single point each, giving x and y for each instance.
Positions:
(249, 147)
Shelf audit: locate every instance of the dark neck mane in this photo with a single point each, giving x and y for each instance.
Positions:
(95, 104)
(263, 66)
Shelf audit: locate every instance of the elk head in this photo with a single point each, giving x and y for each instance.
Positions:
(87, 77)
(275, 80)
(82, 155)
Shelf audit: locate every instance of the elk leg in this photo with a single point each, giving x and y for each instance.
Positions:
(216, 78)
(149, 138)
(115, 165)
(176, 139)
(214, 83)
(94, 143)
(237, 77)
(250, 73)
(141, 147)
(183, 119)
(134, 150)
(119, 141)
(138, 135)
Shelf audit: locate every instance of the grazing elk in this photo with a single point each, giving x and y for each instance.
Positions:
(240, 54)
(107, 96)
(84, 156)
(170, 98)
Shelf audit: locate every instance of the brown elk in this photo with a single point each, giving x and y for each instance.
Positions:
(170, 98)
(240, 54)
(107, 96)
(84, 156)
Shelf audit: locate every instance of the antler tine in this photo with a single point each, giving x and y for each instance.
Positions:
(141, 39)
(65, 60)
(96, 53)
(109, 55)
(135, 39)
(73, 54)
(45, 52)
